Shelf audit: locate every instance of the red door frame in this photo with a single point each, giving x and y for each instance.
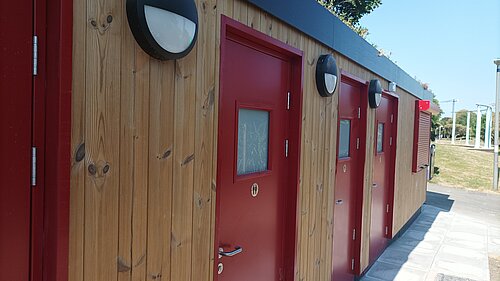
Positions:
(53, 24)
(394, 99)
(232, 27)
(358, 197)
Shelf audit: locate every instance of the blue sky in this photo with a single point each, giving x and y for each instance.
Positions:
(450, 44)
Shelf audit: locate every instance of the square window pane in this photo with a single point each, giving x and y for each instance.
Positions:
(344, 138)
(380, 138)
(253, 141)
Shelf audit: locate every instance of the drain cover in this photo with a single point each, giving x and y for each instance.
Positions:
(444, 277)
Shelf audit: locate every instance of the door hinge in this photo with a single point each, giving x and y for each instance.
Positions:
(386, 230)
(390, 141)
(35, 55)
(288, 101)
(387, 208)
(357, 143)
(352, 264)
(286, 148)
(354, 234)
(33, 166)
(392, 118)
(359, 112)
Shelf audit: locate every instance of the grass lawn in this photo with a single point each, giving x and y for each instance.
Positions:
(461, 166)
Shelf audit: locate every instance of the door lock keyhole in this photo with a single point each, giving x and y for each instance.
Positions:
(220, 268)
(254, 190)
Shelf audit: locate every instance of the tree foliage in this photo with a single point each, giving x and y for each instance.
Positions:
(435, 119)
(351, 11)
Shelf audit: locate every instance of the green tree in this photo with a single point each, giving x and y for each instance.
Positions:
(351, 11)
(435, 119)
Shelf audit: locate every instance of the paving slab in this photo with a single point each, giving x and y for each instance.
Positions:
(453, 239)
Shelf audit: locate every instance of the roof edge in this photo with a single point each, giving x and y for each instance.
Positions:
(317, 22)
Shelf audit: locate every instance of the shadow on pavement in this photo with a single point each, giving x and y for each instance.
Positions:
(411, 253)
(439, 200)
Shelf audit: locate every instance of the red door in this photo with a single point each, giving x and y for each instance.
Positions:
(383, 176)
(348, 180)
(253, 168)
(15, 140)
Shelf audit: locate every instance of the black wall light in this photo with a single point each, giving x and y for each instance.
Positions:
(374, 93)
(326, 75)
(165, 29)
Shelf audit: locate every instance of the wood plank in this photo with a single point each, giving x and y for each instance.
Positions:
(102, 139)
(240, 11)
(306, 156)
(161, 122)
(317, 183)
(140, 165)
(202, 251)
(77, 178)
(266, 23)
(327, 201)
(182, 193)
(127, 125)
(367, 188)
(253, 17)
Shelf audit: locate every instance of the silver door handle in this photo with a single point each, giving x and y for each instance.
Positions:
(339, 202)
(234, 252)
(374, 185)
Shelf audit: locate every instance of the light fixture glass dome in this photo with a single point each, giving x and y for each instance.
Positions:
(330, 82)
(172, 32)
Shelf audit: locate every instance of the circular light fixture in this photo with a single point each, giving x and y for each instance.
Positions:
(165, 29)
(326, 75)
(374, 93)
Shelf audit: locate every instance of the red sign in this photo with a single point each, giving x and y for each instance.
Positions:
(424, 105)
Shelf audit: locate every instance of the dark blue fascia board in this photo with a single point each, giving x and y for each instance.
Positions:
(314, 20)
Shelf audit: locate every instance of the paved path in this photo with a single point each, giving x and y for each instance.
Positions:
(450, 240)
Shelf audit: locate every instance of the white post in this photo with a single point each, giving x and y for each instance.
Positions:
(487, 128)
(495, 148)
(490, 132)
(467, 134)
(454, 121)
(478, 128)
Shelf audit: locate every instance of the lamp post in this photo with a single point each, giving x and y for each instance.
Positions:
(495, 149)
(487, 129)
(478, 127)
(454, 118)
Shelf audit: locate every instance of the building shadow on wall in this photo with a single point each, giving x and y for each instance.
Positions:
(411, 253)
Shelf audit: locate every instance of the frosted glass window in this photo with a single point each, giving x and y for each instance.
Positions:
(253, 141)
(380, 138)
(344, 138)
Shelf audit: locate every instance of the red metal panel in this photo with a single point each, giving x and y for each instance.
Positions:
(348, 181)
(421, 139)
(383, 177)
(15, 140)
(257, 74)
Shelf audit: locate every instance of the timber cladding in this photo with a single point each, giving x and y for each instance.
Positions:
(143, 196)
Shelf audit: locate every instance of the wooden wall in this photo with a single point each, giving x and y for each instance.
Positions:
(410, 188)
(143, 196)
